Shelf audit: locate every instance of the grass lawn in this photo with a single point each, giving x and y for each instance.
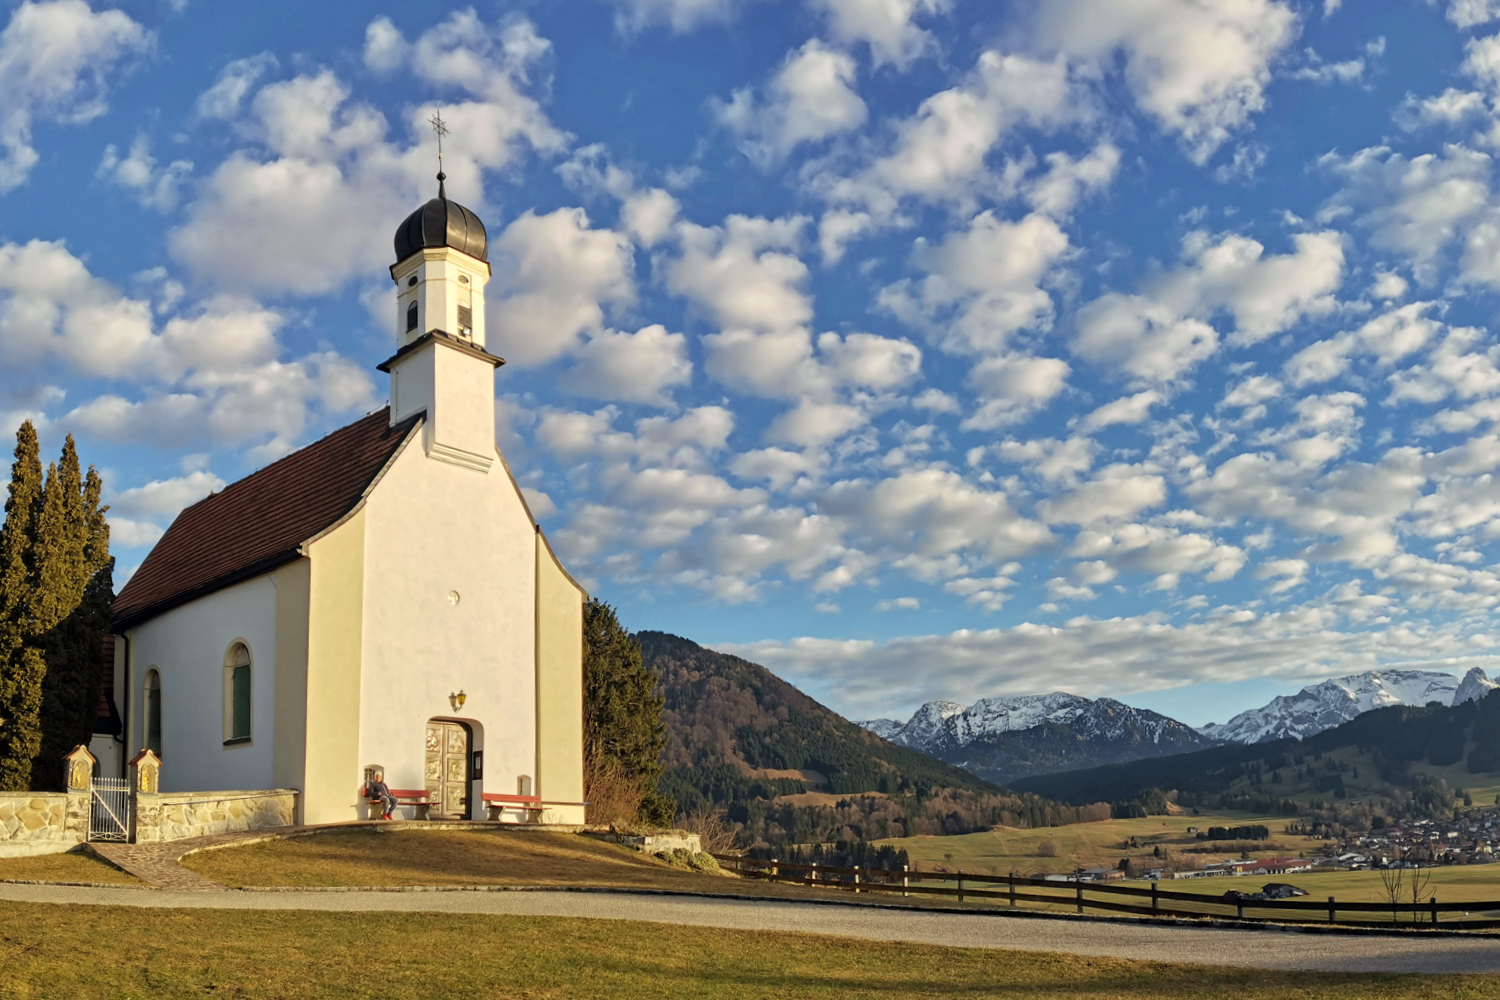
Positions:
(71, 867)
(392, 856)
(1006, 849)
(1450, 885)
(120, 952)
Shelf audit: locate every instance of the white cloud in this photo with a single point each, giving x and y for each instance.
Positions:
(386, 49)
(1013, 386)
(223, 100)
(648, 216)
(315, 199)
(212, 371)
(1058, 462)
(164, 497)
(1289, 574)
(1117, 492)
(631, 367)
(1390, 336)
(810, 98)
(680, 15)
(886, 25)
(1125, 410)
(1468, 13)
(137, 173)
(940, 153)
(1199, 69)
(1419, 206)
(55, 60)
(553, 276)
(983, 283)
(1158, 336)
(898, 604)
(813, 425)
(1105, 657)
(1067, 180)
(1161, 551)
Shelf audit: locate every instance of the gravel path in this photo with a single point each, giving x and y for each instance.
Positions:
(1250, 948)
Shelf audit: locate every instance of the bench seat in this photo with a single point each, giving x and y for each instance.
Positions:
(417, 798)
(529, 806)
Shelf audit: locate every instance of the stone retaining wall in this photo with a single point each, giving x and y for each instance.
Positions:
(41, 822)
(178, 815)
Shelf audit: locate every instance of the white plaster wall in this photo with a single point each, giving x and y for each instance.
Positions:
(187, 645)
(432, 529)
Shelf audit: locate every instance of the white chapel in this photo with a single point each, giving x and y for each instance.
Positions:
(380, 598)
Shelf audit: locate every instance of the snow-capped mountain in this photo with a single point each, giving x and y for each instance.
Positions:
(1002, 739)
(1474, 686)
(1334, 702)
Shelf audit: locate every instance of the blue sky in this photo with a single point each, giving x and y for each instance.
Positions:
(915, 348)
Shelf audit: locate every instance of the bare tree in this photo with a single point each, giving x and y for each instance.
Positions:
(1392, 881)
(1420, 879)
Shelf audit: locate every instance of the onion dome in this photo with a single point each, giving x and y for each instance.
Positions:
(442, 223)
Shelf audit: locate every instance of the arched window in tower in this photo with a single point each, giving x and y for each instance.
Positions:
(411, 317)
(152, 703)
(237, 695)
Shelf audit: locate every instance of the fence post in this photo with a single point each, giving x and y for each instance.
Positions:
(1012, 889)
(905, 879)
(775, 871)
(960, 885)
(1434, 911)
(1080, 897)
(1155, 903)
(1239, 909)
(1331, 910)
(856, 878)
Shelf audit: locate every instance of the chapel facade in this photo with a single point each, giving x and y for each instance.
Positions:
(380, 598)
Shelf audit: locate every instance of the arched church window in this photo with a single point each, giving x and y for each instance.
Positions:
(411, 317)
(152, 703)
(237, 695)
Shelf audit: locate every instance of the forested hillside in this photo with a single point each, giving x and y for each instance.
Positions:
(1392, 761)
(741, 740)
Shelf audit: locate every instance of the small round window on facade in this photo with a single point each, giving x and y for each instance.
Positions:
(463, 279)
(411, 282)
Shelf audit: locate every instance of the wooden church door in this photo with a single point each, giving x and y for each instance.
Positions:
(447, 769)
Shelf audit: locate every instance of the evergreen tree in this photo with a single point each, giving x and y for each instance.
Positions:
(22, 667)
(75, 578)
(56, 588)
(623, 730)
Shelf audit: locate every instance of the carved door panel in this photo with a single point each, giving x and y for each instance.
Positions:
(447, 769)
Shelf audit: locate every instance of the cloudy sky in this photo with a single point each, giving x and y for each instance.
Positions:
(915, 348)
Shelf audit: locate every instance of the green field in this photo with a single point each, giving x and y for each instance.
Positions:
(1092, 845)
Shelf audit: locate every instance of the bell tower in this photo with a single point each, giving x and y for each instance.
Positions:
(441, 366)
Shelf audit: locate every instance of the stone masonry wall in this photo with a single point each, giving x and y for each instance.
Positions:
(196, 814)
(37, 823)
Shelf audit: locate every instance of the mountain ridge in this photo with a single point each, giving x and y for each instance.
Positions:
(1331, 703)
(1005, 738)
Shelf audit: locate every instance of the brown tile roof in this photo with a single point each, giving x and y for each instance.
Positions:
(257, 524)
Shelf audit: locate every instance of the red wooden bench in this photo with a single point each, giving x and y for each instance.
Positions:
(530, 806)
(415, 797)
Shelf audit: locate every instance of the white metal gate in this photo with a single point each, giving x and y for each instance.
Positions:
(109, 810)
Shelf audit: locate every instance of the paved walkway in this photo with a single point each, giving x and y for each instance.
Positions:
(1266, 949)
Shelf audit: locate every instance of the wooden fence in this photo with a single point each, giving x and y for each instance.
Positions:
(1013, 890)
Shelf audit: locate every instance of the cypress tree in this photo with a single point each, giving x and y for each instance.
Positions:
(74, 575)
(623, 730)
(21, 665)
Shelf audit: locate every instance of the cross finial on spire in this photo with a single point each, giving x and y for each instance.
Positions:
(441, 128)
